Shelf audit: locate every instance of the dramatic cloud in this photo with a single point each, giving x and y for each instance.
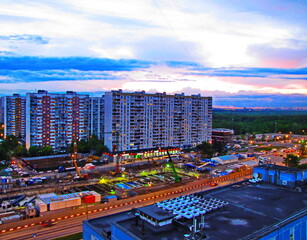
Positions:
(215, 45)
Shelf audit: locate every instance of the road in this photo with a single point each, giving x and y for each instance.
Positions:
(74, 225)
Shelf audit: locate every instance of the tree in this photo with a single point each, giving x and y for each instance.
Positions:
(100, 148)
(263, 137)
(10, 142)
(34, 151)
(47, 150)
(291, 160)
(21, 150)
(83, 146)
(303, 149)
(3, 153)
(219, 147)
(206, 149)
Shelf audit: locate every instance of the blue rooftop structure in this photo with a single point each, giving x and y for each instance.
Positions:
(280, 175)
(225, 159)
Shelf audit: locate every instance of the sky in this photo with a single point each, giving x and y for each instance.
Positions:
(250, 53)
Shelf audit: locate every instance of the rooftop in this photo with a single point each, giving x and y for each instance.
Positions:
(250, 209)
(226, 157)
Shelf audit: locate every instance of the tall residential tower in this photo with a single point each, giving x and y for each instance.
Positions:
(56, 119)
(139, 120)
(14, 116)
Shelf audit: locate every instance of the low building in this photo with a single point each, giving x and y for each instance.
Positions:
(141, 154)
(238, 211)
(222, 134)
(280, 175)
(51, 201)
(225, 159)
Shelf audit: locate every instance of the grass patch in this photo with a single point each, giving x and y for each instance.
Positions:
(75, 236)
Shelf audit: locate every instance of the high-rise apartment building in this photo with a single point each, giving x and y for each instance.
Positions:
(127, 121)
(14, 116)
(139, 120)
(1, 109)
(56, 119)
(96, 117)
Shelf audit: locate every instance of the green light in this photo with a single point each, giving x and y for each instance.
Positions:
(112, 192)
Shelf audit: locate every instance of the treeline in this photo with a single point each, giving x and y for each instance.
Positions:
(243, 122)
(93, 145)
(12, 146)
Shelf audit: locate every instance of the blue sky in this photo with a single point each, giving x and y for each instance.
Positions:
(243, 53)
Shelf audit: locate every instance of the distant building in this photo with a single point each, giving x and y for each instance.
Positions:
(14, 116)
(139, 120)
(56, 119)
(222, 134)
(256, 211)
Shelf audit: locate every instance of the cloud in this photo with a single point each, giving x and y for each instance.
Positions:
(26, 37)
(295, 73)
(79, 63)
(293, 55)
(54, 75)
(264, 100)
(250, 98)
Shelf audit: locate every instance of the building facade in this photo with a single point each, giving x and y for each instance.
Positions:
(222, 135)
(1, 109)
(126, 121)
(139, 120)
(14, 116)
(280, 175)
(96, 123)
(56, 119)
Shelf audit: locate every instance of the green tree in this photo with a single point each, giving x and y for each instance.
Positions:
(100, 148)
(206, 149)
(83, 146)
(3, 153)
(291, 160)
(21, 151)
(34, 151)
(47, 150)
(219, 147)
(10, 142)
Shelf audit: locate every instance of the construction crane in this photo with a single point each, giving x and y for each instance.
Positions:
(177, 178)
(74, 157)
(115, 148)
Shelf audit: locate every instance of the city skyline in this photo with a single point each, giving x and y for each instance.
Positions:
(247, 54)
